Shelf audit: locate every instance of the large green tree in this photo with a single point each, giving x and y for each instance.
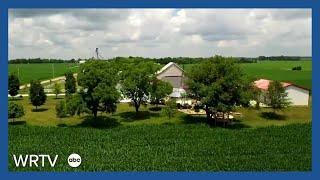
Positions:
(98, 80)
(136, 81)
(220, 84)
(37, 95)
(277, 97)
(14, 85)
(70, 84)
(159, 90)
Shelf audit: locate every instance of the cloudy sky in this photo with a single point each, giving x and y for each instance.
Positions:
(75, 33)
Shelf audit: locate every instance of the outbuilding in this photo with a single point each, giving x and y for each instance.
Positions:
(298, 95)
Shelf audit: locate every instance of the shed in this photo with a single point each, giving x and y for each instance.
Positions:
(298, 95)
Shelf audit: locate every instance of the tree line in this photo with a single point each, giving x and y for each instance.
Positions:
(165, 60)
(40, 60)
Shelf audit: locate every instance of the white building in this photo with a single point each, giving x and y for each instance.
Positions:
(299, 96)
(173, 74)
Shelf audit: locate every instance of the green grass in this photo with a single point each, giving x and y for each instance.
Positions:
(188, 147)
(278, 70)
(126, 115)
(41, 71)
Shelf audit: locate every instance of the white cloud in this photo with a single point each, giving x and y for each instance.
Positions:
(74, 33)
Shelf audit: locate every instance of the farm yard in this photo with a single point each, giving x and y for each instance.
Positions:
(123, 139)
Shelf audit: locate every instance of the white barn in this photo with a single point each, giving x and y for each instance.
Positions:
(299, 96)
(173, 74)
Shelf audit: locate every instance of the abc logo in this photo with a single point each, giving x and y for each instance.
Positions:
(74, 160)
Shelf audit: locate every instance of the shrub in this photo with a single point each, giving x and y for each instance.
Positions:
(15, 110)
(61, 109)
(197, 107)
(297, 68)
(75, 105)
(57, 89)
(170, 109)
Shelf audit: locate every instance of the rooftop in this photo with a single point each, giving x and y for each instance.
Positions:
(264, 84)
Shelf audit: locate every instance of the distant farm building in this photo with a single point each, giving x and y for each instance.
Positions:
(299, 96)
(173, 74)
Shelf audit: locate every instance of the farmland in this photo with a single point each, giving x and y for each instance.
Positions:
(40, 71)
(278, 70)
(186, 147)
(150, 140)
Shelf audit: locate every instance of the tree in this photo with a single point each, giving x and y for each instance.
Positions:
(256, 95)
(75, 105)
(70, 84)
(56, 89)
(220, 85)
(136, 82)
(159, 90)
(37, 95)
(61, 109)
(15, 110)
(170, 109)
(98, 80)
(14, 85)
(277, 97)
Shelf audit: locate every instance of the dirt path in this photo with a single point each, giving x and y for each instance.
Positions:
(48, 81)
(27, 95)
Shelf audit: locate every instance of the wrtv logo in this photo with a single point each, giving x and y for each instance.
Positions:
(33, 160)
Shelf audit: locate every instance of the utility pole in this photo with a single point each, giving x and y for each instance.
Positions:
(19, 71)
(52, 70)
(97, 53)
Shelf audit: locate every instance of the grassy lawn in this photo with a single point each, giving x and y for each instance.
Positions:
(41, 71)
(187, 147)
(278, 70)
(126, 115)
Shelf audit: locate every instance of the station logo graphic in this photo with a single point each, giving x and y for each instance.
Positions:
(74, 160)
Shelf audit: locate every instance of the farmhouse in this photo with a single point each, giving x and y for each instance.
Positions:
(299, 96)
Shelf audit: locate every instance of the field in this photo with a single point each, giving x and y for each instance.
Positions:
(186, 147)
(41, 71)
(278, 70)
